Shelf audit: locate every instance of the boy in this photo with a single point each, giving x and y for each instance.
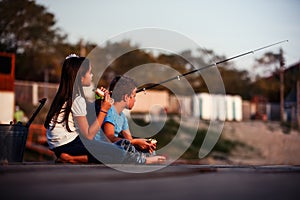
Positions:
(123, 91)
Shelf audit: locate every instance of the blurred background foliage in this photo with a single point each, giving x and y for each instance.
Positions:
(29, 30)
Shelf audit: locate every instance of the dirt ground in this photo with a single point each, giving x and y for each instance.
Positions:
(265, 143)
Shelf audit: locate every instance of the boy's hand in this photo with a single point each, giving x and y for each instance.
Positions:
(144, 144)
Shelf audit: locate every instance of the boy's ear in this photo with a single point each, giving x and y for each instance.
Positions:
(125, 97)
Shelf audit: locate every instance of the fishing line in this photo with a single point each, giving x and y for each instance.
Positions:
(208, 66)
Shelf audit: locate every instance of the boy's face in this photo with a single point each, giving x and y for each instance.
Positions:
(131, 100)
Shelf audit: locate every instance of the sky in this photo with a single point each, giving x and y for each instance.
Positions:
(228, 27)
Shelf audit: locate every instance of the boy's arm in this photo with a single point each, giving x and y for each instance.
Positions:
(141, 142)
(109, 131)
(126, 134)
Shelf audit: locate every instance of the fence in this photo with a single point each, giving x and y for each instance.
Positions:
(206, 106)
(30, 92)
(210, 106)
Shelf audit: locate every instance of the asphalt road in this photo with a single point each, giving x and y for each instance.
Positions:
(84, 182)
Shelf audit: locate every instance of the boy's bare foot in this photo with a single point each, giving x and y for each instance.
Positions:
(67, 158)
(155, 160)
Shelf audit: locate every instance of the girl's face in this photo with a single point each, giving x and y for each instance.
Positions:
(86, 80)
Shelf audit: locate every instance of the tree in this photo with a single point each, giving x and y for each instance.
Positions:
(115, 58)
(268, 59)
(28, 30)
(236, 82)
(269, 63)
(273, 63)
(26, 26)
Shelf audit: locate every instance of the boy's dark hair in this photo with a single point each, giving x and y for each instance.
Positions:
(120, 86)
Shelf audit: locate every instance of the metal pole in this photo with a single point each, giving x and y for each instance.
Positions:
(281, 86)
(298, 100)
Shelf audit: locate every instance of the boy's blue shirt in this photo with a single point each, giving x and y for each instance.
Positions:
(119, 121)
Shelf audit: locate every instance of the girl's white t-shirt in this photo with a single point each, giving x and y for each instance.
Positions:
(59, 135)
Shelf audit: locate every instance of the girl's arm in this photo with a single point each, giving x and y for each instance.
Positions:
(89, 131)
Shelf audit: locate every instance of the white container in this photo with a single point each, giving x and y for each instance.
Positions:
(229, 108)
(221, 107)
(205, 106)
(237, 108)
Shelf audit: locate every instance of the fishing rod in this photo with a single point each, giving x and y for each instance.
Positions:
(208, 66)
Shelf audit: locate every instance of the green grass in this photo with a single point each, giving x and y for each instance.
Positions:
(170, 129)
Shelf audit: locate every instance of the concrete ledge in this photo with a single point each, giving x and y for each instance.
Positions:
(47, 180)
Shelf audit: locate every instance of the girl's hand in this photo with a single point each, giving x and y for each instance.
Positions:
(107, 101)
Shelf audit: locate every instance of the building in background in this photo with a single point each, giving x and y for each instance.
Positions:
(7, 93)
